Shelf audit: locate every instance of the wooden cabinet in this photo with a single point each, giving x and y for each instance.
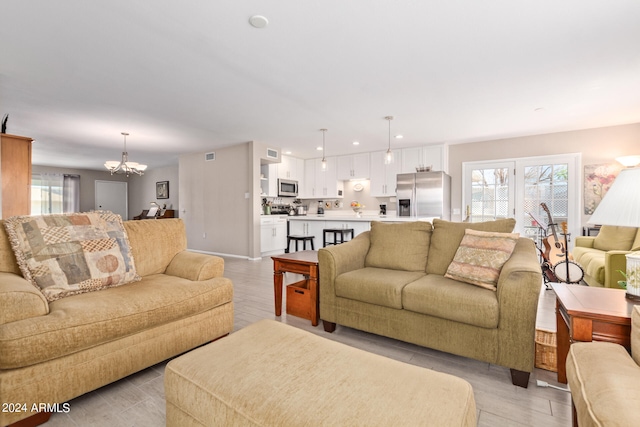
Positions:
(15, 168)
(291, 168)
(355, 166)
(269, 180)
(383, 181)
(273, 234)
(322, 183)
(430, 155)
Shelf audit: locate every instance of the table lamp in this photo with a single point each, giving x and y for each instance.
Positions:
(621, 207)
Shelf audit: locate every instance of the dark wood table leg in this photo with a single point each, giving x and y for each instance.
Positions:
(313, 288)
(277, 287)
(563, 341)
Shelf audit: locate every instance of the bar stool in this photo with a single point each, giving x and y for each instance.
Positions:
(297, 238)
(336, 232)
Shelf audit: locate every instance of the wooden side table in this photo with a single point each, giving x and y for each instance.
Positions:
(585, 313)
(305, 263)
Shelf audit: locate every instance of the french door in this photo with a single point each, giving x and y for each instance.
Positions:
(516, 188)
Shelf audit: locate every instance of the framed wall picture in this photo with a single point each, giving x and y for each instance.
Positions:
(162, 190)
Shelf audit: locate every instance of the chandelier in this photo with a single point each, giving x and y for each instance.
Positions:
(124, 165)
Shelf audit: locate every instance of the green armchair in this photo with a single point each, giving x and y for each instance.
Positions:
(603, 256)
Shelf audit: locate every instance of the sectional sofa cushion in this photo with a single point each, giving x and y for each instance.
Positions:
(402, 246)
(447, 236)
(69, 254)
(85, 321)
(611, 238)
(377, 286)
(438, 296)
(480, 257)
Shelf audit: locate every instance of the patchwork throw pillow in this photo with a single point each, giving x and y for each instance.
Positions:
(69, 254)
(480, 257)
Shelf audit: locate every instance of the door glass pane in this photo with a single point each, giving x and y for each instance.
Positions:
(546, 184)
(489, 194)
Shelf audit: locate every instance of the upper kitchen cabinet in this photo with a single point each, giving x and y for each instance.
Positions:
(431, 155)
(291, 168)
(321, 183)
(268, 180)
(355, 166)
(383, 180)
(15, 170)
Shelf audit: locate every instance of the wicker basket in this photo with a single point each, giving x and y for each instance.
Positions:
(546, 354)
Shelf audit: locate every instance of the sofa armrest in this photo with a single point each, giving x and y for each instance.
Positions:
(195, 266)
(334, 261)
(584, 241)
(518, 291)
(19, 299)
(614, 261)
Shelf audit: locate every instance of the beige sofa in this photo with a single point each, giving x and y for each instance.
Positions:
(411, 300)
(603, 257)
(605, 381)
(51, 352)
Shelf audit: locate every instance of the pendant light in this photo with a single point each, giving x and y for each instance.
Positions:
(388, 158)
(324, 161)
(124, 165)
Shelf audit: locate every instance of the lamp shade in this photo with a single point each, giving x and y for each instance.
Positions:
(621, 205)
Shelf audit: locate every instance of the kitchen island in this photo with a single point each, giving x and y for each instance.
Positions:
(313, 225)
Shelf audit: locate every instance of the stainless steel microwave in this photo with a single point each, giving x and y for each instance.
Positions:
(287, 188)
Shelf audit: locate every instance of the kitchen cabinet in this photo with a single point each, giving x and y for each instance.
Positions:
(430, 155)
(15, 174)
(291, 168)
(273, 234)
(383, 181)
(319, 183)
(358, 226)
(269, 180)
(354, 166)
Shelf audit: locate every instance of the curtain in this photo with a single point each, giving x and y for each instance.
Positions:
(71, 193)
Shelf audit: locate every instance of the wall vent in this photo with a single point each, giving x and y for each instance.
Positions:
(272, 153)
(209, 156)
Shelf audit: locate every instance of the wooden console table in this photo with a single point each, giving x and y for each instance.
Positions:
(585, 313)
(305, 263)
(168, 213)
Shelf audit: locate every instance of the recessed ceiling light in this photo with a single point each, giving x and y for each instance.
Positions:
(287, 152)
(356, 143)
(399, 136)
(258, 21)
(319, 148)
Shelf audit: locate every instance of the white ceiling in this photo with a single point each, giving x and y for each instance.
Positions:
(190, 76)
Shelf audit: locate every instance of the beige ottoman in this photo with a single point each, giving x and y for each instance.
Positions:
(272, 374)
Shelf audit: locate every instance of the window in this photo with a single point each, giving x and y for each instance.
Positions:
(54, 193)
(516, 188)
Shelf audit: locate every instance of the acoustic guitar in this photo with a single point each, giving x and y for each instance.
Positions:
(554, 249)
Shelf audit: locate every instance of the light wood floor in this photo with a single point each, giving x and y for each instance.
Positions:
(138, 400)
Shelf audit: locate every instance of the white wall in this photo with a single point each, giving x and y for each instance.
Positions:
(142, 189)
(217, 215)
(598, 146)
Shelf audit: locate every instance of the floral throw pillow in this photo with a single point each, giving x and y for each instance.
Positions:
(69, 254)
(480, 257)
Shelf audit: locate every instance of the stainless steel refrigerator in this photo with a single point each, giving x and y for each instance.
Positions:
(424, 194)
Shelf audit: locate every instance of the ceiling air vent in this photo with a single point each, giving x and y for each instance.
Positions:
(209, 156)
(272, 154)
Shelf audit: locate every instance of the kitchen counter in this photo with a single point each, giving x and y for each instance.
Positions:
(353, 218)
